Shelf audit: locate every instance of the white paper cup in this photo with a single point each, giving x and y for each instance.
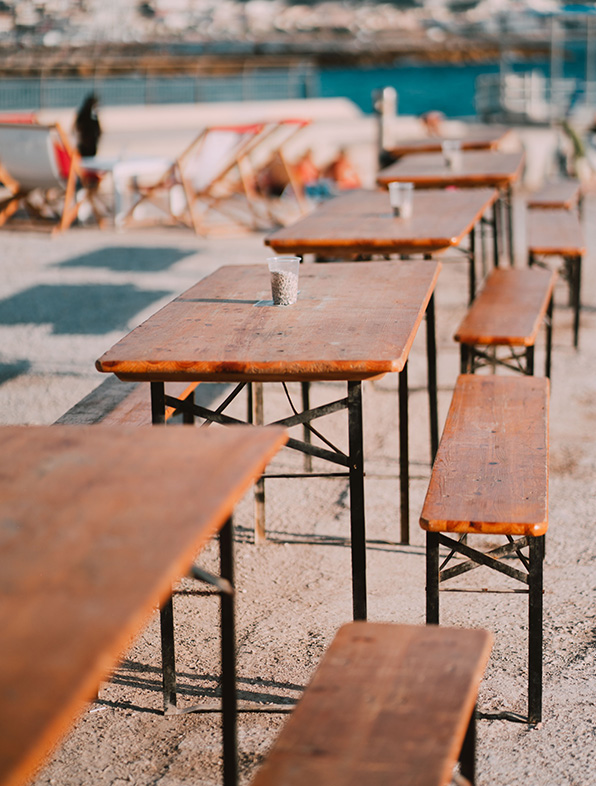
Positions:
(401, 198)
(284, 279)
(452, 153)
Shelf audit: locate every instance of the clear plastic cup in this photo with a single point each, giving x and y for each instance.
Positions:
(401, 198)
(452, 153)
(284, 279)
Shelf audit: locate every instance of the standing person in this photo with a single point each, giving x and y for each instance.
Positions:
(87, 126)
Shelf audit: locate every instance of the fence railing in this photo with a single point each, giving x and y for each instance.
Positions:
(255, 84)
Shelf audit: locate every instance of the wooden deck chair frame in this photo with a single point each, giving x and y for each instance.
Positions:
(232, 178)
(41, 170)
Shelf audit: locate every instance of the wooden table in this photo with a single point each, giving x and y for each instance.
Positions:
(480, 169)
(361, 223)
(226, 329)
(480, 138)
(91, 543)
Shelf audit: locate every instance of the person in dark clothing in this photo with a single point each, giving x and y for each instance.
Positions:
(87, 126)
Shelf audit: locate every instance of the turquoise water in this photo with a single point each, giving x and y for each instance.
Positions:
(420, 88)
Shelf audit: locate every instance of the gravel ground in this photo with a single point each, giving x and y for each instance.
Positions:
(64, 301)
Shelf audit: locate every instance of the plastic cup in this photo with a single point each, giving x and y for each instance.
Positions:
(452, 153)
(284, 279)
(401, 198)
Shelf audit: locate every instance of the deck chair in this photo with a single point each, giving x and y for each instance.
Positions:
(42, 172)
(272, 155)
(209, 186)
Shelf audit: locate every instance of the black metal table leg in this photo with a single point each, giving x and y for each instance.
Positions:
(509, 200)
(168, 656)
(158, 402)
(535, 590)
(472, 276)
(467, 755)
(549, 338)
(404, 457)
(305, 388)
(432, 578)
(357, 527)
(496, 232)
(431, 359)
(530, 360)
(228, 659)
(577, 278)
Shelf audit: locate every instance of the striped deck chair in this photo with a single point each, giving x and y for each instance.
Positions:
(208, 187)
(41, 172)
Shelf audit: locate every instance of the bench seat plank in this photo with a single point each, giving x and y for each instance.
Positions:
(389, 704)
(135, 408)
(562, 194)
(510, 308)
(554, 232)
(491, 470)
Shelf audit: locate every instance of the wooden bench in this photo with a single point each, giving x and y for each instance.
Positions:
(558, 233)
(387, 704)
(508, 312)
(558, 194)
(490, 477)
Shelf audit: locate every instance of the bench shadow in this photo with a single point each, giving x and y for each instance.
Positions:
(142, 676)
(246, 535)
(130, 258)
(85, 309)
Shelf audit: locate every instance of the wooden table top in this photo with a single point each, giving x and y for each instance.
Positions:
(351, 322)
(388, 704)
(491, 470)
(362, 222)
(480, 138)
(480, 168)
(95, 525)
(563, 194)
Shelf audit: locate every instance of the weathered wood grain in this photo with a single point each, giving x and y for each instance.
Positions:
(389, 704)
(491, 470)
(556, 232)
(510, 308)
(479, 168)
(361, 222)
(350, 322)
(95, 525)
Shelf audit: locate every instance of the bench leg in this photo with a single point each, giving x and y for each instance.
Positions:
(535, 591)
(158, 402)
(497, 232)
(228, 659)
(467, 755)
(466, 359)
(431, 359)
(404, 457)
(432, 578)
(357, 530)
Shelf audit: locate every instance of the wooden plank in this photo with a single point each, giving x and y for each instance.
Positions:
(135, 409)
(362, 222)
(510, 308)
(491, 470)
(95, 525)
(561, 194)
(389, 704)
(554, 232)
(350, 322)
(479, 168)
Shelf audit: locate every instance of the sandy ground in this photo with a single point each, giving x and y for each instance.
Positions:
(63, 302)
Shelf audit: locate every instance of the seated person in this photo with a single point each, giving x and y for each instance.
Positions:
(341, 171)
